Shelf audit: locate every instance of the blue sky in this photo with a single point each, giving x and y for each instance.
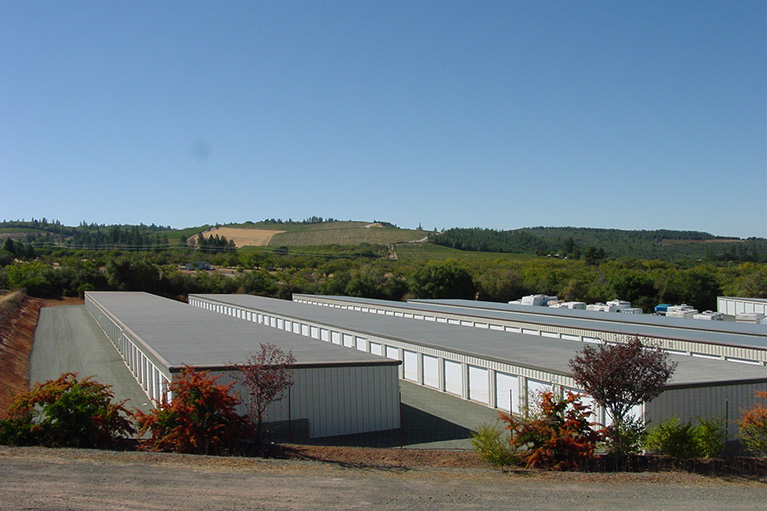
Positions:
(630, 115)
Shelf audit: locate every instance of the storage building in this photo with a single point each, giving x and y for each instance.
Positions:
(490, 364)
(335, 391)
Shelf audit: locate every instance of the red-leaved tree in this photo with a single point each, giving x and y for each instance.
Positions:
(559, 436)
(621, 376)
(265, 375)
(753, 426)
(200, 419)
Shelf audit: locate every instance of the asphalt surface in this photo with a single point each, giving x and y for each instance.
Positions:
(67, 339)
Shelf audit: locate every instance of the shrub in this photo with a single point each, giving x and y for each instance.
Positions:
(200, 419)
(559, 436)
(626, 438)
(66, 412)
(753, 426)
(492, 445)
(672, 438)
(710, 437)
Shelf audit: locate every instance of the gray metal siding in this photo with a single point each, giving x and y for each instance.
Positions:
(724, 401)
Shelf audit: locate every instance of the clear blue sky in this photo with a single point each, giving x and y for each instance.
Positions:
(631, 115)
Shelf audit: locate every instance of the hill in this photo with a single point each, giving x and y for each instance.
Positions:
(573, 242)
(570, 242)
(294, 234)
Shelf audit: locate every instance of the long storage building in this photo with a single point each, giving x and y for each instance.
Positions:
(335, 391)
(500, 368)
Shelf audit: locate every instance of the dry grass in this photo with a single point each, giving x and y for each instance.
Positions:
(244, 237)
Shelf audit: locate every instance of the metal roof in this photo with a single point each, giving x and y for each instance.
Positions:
(183, 335)
(643, 325)
(534, 352)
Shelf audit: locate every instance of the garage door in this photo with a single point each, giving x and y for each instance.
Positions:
(479, 388)
(453, 378)
(411, 365)
(534, 390)
(431, 371)
(507, 392)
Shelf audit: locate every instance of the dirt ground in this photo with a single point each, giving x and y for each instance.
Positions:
(17, 334)
(244, 237)
(58, 479)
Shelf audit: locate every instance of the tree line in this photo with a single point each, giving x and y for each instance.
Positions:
(576, 243)
(368, 273)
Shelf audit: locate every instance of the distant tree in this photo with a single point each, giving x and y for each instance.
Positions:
(9, 246)
(442, 280)
(593, 255)
(132, 274)
(265, 375)
(637, 288)
(621, 376)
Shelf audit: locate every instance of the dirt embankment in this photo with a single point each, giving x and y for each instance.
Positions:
(17, 334)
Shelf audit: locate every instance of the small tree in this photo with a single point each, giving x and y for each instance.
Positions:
(560, 436)
(753, 426)
(621, 376)
(200, 419)
(265, 375)
(66, 412)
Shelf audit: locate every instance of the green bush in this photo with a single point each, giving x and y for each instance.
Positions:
(66, 412)
(672, 438)
(710, 436)
(628, 438)
(492, 445)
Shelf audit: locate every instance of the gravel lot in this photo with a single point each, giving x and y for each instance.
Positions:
(36, 478)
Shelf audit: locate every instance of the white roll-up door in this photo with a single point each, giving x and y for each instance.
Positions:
(453, 378)
(534, 390)
(585, 400)
(507, 392)
(335, 337)
(361, 344)
(376, 348)
(479, 387)
(348, 341)
(411, 365)
(392, 353)
(431, 371)
(325, 335)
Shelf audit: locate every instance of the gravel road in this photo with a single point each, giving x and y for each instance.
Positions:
(37, 478)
